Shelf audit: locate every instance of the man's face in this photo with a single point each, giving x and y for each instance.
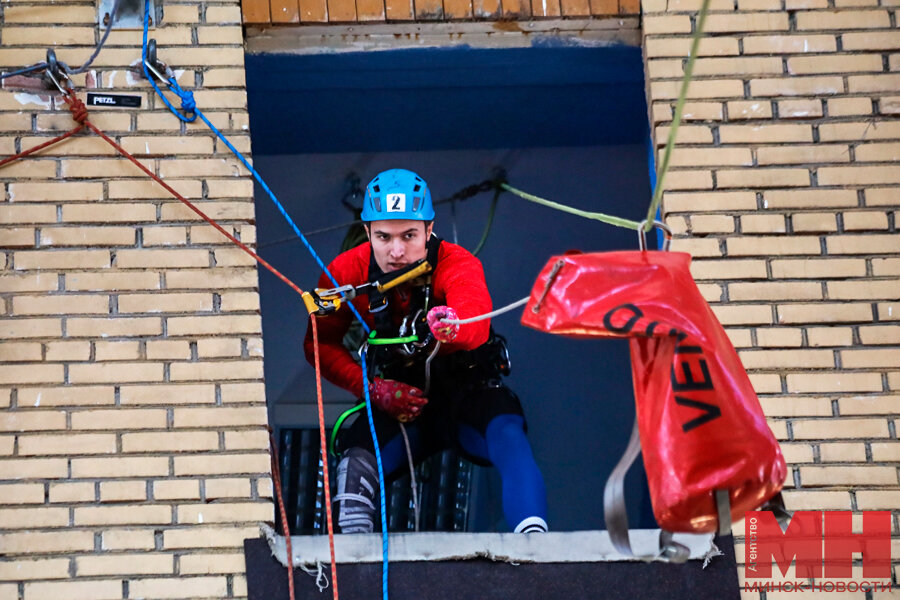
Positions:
(398, 243)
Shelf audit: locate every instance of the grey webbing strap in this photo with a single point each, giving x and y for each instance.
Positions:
(616, 515)
(723, 508)
(614, 495)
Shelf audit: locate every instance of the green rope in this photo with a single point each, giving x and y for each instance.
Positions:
(617, 221)
(490, 221)
(337, 425)
(676, 118)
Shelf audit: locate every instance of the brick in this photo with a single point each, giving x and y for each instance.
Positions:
(180, 587)
(31, 373)
(34, 168)
(792, 359)
(33, 518)
(218, 370)
(857, 175)
(255, 347)
(121, 212)
(774, 290)
(738, 110)
(104, 351)
(863, 244)
(666, 24)
(119, 491)
(170, 441)
(168, 145)
(206, 537)
(168, 394)
(124, 372)
(112, 327)
(23, 493)
(67, 396)
(69, 493)
(34, 282)
(219, 211)
(222, 15)
(746, 21)
(18, 237)
(818, 268)
(841, 63)
(814, 222)
(112, 281)
(829, 336)
(32, 420)
(797, 453)
(851, 290)
(214, 325)
(797, 86)
(68, 444)
(694, 111)
(87, 236)
(886, 452)
(803, 154)
(228, 188)
(227, 488)
(168, 349)
(176, 489)
(123, 515)
(799, 109)
(20, 351)
(223, 464)
(788, 44)
(871, 40)
(127, 539)
(130, 466)
(856, 131)
(834, 382)
(218, 347)
(885, 266)
(189, 13)
(246, 440)
(206, 564)
(862, 221)
(763, 224)
(63, 15)
(855, 359)
(777, 199)
(209, 236)
(22, 215)
(728, 269)
(880, 334)
(147, 189)
(743, 315)
(796, 407)
(881, 197)
(825, 312)
(689, 180)
(224, 78)
(144, 258)
(872, 152)
(761, 134)
(49, 568)
(778, 337)
(843, 428)
(873, 83)
(166, 302)
(762, 178)
(62, 259)
(60, 304)
(845, 107)
(772, 245)
(687, 134)
(710, 156)
(239, 301)
(232, 512)
(842, 452)
(219, 416)
(119, 418)
(734, 66)
(44, 542)
(877, 499)
(164, 236)
(701, 88)
(841, 20)
(816, 500)
(855, 475)
(232, 257)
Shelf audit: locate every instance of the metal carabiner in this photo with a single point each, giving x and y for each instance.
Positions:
(54, 74)
(667, 235)
(154, 65)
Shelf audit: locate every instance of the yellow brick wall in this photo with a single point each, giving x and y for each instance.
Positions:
(784, 188)
(133, 450)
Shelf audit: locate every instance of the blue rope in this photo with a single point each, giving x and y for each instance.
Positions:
(384, 522)
(38, 66)
(188, 104)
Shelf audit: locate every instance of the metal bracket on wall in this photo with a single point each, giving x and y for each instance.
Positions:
(130, 14)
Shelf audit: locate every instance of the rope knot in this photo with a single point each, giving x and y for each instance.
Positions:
(78, 109)
(188, 104)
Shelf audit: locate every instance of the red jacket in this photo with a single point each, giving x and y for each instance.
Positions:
(458, 282)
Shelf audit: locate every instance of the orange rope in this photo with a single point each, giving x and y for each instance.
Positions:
(285, 526)
(315, 336)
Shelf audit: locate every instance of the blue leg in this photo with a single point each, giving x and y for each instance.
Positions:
(507, 448)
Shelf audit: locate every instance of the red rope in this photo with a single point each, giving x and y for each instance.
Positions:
(327, 485)
(285, 527)
(80, 115)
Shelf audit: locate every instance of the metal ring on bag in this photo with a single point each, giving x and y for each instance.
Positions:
(667, 235)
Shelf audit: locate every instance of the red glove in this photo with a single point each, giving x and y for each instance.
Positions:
(443, 332)
(400, 400)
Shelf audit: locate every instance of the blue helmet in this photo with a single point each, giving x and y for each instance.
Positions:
(397, 194)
